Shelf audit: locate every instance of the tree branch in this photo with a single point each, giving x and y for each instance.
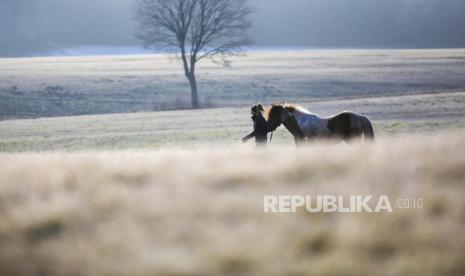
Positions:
(197, 28)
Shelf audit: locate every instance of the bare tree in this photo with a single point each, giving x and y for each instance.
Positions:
(194, 30)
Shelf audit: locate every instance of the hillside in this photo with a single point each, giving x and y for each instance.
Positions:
(38, 87)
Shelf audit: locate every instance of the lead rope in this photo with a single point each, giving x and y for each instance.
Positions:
(271, 137)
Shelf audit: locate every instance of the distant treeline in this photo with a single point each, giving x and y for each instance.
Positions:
(31, 27)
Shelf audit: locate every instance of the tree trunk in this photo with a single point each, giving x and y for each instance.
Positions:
(194, 94)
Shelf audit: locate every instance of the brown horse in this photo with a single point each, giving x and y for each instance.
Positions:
(303, 124)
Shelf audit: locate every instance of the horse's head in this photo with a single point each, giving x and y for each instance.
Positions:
(275, 116)
(279, 114)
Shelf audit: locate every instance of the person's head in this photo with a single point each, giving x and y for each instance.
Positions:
(257, 109)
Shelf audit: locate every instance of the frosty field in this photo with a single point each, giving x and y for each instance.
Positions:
(137, 191)
(36, 87)
(220, 127)
(200, 212)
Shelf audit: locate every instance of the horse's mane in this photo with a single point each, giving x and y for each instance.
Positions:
(295, 107)
(289, 107)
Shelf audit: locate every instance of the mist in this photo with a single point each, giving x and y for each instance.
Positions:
(29, 28)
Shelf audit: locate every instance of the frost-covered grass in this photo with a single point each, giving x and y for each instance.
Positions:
(175, 192)
(220, 127)
(35, 87)
(200, 212)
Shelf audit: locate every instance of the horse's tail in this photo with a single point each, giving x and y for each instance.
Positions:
(367, 127)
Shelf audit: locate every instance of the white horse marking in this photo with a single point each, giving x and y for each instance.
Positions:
(311, 125)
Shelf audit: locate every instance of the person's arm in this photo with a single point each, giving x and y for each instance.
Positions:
(246, 138)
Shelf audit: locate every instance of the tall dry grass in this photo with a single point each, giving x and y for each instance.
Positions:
(200, 212)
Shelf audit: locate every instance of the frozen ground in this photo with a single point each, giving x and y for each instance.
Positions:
(176, 193)
(220, 127)
(63, 86)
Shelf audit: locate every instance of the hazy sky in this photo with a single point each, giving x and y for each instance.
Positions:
(28, 27)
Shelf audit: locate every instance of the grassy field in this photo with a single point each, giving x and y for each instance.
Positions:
(200, 212)
(36, 87)
(176, 192)
(220, 127)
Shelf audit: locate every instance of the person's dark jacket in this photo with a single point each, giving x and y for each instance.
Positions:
(260, 130)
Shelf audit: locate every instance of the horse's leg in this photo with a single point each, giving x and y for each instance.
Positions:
(352, 128)
(340, 126)
(354, 136)
(291, 125)
(357, 131)
(298, 140)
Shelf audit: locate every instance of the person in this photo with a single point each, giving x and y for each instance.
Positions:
(260, 127)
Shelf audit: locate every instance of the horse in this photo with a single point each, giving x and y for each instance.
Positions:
(304, 125)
